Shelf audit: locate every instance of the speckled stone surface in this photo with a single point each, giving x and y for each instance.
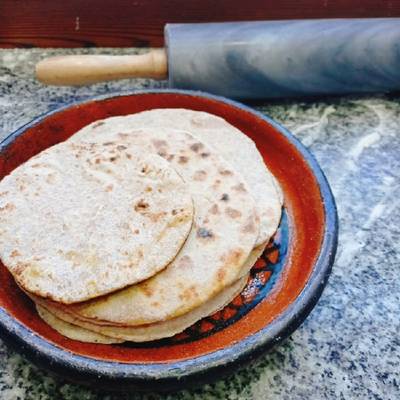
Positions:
(349, 347)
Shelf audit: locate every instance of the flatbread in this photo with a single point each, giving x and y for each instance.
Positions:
(73, 331)
(72, 327)
(252, 259)
(224, 232)
(248, 264)
(82, 220)
(237, 148)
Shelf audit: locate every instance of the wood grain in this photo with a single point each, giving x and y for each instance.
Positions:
(129, 23)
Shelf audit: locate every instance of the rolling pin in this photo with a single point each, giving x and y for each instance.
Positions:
(264, 59)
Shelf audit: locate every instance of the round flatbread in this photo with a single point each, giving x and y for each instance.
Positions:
(82, 220)
(84, 331)
(96, 325)
(73, 331)
(255, 254)
(224, 232)
(237, 148)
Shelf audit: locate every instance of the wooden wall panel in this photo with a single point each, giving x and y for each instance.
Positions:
(126, 23)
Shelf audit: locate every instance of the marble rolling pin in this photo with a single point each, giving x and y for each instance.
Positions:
(266, 59)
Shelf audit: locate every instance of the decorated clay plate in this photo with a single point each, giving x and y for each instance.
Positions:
(285, 283)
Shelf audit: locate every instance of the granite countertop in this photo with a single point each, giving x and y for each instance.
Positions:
(349, 347)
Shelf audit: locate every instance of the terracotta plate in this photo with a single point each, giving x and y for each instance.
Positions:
(285, 283)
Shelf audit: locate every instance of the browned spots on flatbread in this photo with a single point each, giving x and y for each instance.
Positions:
(97, 124)
(200, 175)
(37, 165)
(8, 207)
(109, 187)
(15, 253)
(225, 197)
(225, 172)
(136, 231)
(250, 227)
(183, 160)
(19, 269)
(3, 193)
(50, 178)
(108, 144)
(216, 184)
(121, 147)
(204, 233)
(181, 219)
(155, 304)
(239, 188)
(221, 274)
(196, 146)
(146, 289)
(214, 209)
(92, 285)
(128, 156)
(77, 258)
(31, 271)
(112, 159)
(156, 216)
(162, 154)
(141, 206)
(159, 144)
(233, 257)
(145, 169)
(189, 293)
(123, 135)
(231, 212)
(148, 189)
(125, 225)
(185, 262)
(170, 157)
(204, 155)
(97, 161)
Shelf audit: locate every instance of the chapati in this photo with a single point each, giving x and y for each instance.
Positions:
(82, 220)
(72, 327)
(73, 331)
(224, 231)
(233, 145)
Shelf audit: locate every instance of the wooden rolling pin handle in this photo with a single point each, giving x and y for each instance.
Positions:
(86, 69)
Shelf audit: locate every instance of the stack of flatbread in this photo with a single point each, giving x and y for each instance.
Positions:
(138, 226)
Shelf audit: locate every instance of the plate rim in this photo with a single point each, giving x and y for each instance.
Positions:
(45, 352)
